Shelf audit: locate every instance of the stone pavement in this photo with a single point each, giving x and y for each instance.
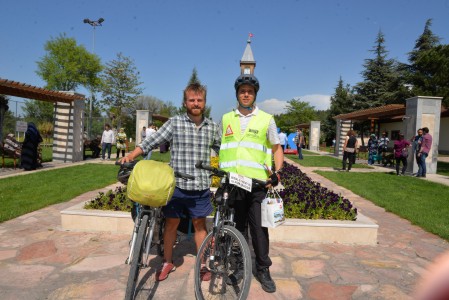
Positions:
(38, 260)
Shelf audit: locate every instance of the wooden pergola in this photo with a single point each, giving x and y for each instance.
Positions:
(23, 90)
(386, 113)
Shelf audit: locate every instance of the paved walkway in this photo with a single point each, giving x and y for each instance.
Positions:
(38, 260)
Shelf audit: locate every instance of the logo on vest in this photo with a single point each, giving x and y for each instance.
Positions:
(229, 131)
(255, 131)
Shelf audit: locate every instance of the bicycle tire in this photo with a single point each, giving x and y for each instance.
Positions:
(224, 265)
(136, 260)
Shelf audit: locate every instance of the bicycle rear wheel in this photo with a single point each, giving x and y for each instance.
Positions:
(136, 262)
(223, 255)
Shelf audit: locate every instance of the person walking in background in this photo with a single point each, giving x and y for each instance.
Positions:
(283, 140)
(106, 141)
(423, 152)
(192, 137)
(401, 153)
(149, 131)
(383, 146)
(416, 144)
(373, 146)
(121, 142)
(349, 149)
(249, 137)
(143, 134)
(299, 141)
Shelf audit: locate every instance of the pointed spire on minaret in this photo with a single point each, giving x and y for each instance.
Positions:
(247, 63)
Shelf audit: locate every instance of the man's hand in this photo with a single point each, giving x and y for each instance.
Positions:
(273, 180)
(125, 159)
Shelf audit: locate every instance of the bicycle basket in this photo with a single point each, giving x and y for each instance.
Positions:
(151, 183)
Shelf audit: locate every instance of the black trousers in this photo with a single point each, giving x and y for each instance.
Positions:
(248, 210)
(351, 159)
(404, 164)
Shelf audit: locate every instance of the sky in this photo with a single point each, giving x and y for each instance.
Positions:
(301, 48)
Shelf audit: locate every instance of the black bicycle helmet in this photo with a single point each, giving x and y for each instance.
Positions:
(249, 79)
(123, 175)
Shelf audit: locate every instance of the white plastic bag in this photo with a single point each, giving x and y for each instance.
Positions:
(272, 209)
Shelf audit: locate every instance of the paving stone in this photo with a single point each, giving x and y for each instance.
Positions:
(327, 291)
(288, 289)
(37, 250)
(97, 263)
(307, 268)
(6, 254)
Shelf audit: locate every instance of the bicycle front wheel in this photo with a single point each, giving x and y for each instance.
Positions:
(136, 262)
(223, 266)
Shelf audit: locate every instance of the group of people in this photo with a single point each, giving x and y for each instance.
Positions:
(421, 145)
(299, 141)
(246, 140)
(29, 150)
(377, 148)
(108, 138)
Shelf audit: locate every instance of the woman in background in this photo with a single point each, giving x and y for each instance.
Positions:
(121, 142)
(349, 149)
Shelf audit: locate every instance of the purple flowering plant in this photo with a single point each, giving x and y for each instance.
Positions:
(306, 199)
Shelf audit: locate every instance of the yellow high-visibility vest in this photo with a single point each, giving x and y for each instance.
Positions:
(248, 154)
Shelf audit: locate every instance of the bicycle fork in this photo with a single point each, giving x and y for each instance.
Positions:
(133, 241)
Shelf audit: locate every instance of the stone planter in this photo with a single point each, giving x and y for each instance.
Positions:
(360, 232)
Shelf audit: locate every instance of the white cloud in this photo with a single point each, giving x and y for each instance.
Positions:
(276, 106)
(273, 106)
(320, 102)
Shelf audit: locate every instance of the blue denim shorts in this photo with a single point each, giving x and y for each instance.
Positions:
(196, 203)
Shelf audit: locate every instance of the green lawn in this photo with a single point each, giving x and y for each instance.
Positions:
(27, 193)
(322, 161)
(421, 202)
(443, 168)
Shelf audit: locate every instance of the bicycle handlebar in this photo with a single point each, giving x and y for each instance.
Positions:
(131, 164)
(221, 173)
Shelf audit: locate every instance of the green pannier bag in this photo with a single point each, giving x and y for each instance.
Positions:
(151, 183)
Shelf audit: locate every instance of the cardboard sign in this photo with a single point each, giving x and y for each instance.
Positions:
(241, 181)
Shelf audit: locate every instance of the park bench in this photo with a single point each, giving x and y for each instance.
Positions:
(7, 153)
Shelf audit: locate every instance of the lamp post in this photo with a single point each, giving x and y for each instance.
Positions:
(94, 24)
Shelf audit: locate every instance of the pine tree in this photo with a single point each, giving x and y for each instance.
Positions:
(341, 102)
(427, 60)
(381, 79)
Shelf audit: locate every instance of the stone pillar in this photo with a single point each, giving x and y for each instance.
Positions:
(343, 126)
(423, 111)
(68, 131)
(143, 118)
(314, 136)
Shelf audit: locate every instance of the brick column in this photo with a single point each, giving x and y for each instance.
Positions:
(68, 131)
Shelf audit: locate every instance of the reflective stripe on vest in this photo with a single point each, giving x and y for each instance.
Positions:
(248, 154)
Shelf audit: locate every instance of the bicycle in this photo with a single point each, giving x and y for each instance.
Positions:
(148, 220)
(224, 251)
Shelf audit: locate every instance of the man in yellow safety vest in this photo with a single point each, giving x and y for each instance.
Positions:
(249, 138)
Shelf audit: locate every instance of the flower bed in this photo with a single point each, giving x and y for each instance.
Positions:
(303, 199)
(307, 199)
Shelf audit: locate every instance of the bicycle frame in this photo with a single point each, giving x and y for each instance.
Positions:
(153, 214)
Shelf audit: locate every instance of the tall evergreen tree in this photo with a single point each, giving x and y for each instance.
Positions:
(380, 79)
(427, 71)
(342, 101)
